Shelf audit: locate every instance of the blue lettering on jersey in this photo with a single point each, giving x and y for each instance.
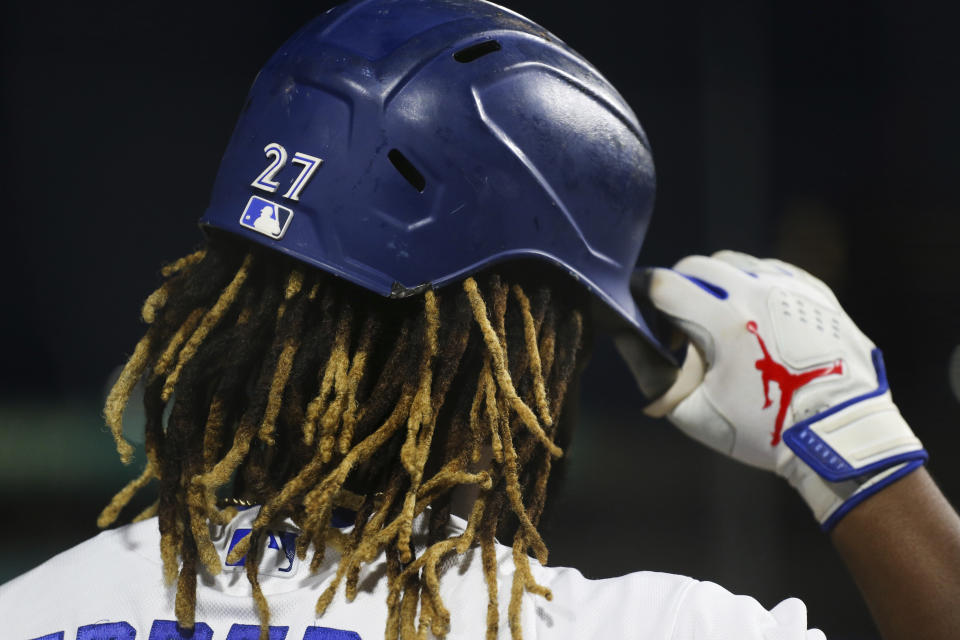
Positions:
(170, 630)
(238, 535)
(326, 633)
(288, 540)
(252, 632)
(107, 631)
(287, 544)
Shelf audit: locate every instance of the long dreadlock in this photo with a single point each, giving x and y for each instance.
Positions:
(303, 393)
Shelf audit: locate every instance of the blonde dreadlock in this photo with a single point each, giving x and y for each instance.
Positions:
(332, 396)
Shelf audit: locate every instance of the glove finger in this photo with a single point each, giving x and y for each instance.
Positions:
(749, 264)
(689, 378)
(717, 273)
(691, 303)
(805, 276)
(684, 296)
(773, 267)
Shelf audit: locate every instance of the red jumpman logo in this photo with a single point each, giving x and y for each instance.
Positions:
(788, 382)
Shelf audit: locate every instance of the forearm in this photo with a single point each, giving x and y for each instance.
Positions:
(902, 547)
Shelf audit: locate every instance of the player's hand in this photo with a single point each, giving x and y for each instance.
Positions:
(779, 377)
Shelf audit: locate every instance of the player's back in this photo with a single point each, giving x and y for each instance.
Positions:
(112, 587)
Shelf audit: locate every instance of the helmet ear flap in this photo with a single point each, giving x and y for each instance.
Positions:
(401, 144)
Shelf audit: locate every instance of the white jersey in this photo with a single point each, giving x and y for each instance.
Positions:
(111, 588)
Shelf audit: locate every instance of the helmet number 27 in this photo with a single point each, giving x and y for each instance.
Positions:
(278, 156)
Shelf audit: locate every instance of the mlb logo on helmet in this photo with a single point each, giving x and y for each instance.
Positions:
(268, 218)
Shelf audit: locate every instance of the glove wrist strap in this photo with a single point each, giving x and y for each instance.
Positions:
(844, 456)
(831, 501)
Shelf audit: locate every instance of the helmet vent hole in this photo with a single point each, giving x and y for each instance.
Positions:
(407, 170)
(475, 51)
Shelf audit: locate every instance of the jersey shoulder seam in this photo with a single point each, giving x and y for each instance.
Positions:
(680, 602)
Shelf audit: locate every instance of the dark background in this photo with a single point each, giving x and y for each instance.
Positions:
(822, 132)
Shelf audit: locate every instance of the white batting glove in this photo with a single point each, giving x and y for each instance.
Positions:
(779, 377)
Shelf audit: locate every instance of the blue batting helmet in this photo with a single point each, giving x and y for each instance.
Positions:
(401, 144)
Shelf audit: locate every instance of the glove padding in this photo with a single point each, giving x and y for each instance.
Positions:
(779, 377)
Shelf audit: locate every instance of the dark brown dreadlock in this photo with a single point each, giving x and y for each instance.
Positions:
(306, 393)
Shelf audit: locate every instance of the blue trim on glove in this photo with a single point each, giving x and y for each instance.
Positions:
(859, 497)
(709, 287)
